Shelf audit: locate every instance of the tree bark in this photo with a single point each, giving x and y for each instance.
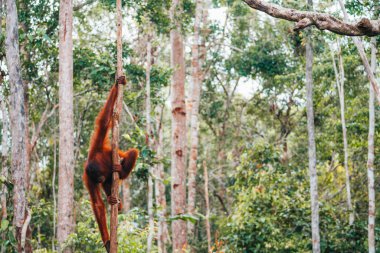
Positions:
(148, 136)
(24, 234)
(4, 144)
(208, 229)
(25, 57)
(322, 21)
(160, 187)
(194, 121)
(312, 148)
(4, 161)
(340, 77)
(371, 157)
(344, 130)
(53, 188)
(178, 152)
(66, 223)
(18, 120)
(115, 130)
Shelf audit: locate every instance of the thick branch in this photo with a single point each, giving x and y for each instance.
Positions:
(322, 21)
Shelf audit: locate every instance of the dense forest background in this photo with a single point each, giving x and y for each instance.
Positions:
(248, 180)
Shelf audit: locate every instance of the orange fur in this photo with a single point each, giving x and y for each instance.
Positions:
(98, 167)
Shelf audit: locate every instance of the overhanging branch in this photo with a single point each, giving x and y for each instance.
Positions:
(322, 21)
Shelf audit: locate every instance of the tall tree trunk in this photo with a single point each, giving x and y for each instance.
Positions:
(115, 129)
(18, 121)
(4, 161)
(194, 121)
(28, 231)
(4, 145)
(203, 38)
(344, 130)
(178, 153)
(208, 229)
(66, 127)
(340, 77)
(53, 188)
(25, 57)
(371, 157)
(312, 148)
(160, 187)
(148, 136)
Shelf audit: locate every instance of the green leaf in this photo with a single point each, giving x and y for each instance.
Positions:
(167, 180)
(47, 38)
(127, 137)
(4, 225)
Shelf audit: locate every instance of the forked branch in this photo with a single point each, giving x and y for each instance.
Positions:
(323, 21)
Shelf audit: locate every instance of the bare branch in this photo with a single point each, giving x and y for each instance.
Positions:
(25, 228)
(322, 21)
(221, 202)
(83, 92)
(125, 107)
(45, 116)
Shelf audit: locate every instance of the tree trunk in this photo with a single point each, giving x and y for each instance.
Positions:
(340, 77)
(66, 127)
(178, 153)
(371, 157)
(4, 145)
(160, 187)
(194, 121)
(344, 130)
(53, 188)
(115, 129)
(148, 136)
(208, 229)
(312, 148)
(18, 120)
(4, 162)
(26, 59)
